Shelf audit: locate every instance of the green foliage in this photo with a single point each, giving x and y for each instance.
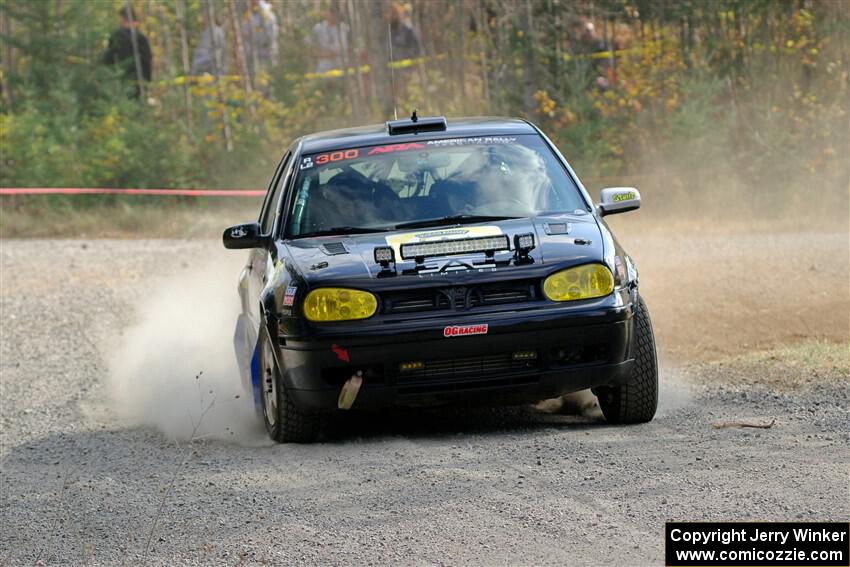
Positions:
(113, 145)
(698, 89)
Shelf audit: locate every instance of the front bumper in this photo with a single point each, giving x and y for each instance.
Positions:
(572, 351)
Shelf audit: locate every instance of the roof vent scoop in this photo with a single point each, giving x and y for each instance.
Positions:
(415, 124)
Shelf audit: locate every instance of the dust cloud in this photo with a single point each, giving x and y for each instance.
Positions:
(175, 369)
(674, 390)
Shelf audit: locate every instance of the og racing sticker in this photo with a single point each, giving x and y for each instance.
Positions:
(465, 330)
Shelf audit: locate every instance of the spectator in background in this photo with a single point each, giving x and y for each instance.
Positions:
(121, 52)
(589, 45)
(259, 37)
(588, 40)
(211, 54)
(403, 37)
(329, 40)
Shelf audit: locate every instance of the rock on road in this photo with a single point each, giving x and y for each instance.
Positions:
(511, 486)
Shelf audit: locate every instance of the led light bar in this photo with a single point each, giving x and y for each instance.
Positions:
(524, 242)
(384, 255)
(447, 247)
(411, 366)
(524, 355)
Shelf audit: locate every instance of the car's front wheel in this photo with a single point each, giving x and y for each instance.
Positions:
(284, 421)
(637, 399)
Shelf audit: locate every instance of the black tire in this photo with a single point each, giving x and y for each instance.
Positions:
(637, 399)
(284, 421)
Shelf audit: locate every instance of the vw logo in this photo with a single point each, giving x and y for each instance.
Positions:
(458, 297)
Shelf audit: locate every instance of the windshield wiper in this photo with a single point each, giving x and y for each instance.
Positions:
(453, 219)
(342, 230)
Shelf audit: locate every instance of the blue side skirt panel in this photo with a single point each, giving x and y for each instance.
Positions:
(255, 378)
(246, 345)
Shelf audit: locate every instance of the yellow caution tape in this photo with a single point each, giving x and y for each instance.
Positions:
(207, 79)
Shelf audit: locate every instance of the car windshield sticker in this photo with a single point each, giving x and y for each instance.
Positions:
(308, 162)
(464, 330)
(339, 155)
(289, 296)
(396, 240)
(395, 148)
(472, 141)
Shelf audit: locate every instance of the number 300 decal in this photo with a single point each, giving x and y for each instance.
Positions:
(336, 156)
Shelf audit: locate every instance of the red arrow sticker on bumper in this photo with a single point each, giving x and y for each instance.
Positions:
(340, 353)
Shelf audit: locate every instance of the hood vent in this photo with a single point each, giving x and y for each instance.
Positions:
(557, 227)
(334, 248)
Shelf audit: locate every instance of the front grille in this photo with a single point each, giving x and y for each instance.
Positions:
(466, 367)
(495, 297)
(434, 388)
(411, 303)
(459, 297)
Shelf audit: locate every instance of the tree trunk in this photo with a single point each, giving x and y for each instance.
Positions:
(136, 58)
(529, 74)
(60, 19)
(184, 56)
(347, 60)
(380, 76)
(483, 62)
(354, 32)
(241, 63)
(8, 67)
(217, 64)
(459, 49)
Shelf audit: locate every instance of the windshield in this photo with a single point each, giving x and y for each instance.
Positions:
(382, 187)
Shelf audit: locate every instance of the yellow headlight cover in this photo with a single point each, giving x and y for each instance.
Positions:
(582, 282)
(339, 304)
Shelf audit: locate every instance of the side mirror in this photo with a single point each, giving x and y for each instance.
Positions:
(242, 236)
(615, 200)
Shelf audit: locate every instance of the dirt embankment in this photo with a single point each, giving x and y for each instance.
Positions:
(718, 295)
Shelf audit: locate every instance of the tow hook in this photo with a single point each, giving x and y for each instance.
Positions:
(350, 390)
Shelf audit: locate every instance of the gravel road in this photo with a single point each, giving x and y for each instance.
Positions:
(84, 483)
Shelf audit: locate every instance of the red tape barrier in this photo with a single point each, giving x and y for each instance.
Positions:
(113, 191)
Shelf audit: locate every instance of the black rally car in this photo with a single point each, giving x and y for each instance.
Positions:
(424, 262)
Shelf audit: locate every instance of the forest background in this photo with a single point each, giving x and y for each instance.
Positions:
(731, 106)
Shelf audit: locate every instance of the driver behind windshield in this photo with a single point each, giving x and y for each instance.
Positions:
(354, 190)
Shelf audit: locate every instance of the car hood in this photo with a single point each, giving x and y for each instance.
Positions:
(559, 239)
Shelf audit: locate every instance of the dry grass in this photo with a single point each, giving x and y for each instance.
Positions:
(784, 368)
(138, 218)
